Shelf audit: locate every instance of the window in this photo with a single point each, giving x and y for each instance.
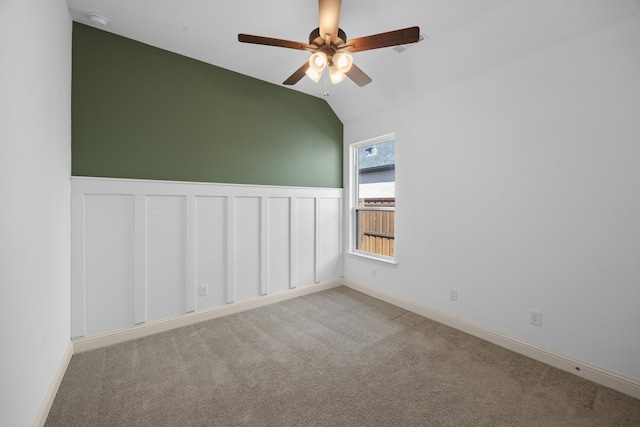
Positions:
(374, 200)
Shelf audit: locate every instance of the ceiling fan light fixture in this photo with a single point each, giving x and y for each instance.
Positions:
(313, 74)
(335, 75)
(343, 61)
(318, 61)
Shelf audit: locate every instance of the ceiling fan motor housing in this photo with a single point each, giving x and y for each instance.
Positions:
(317, 40)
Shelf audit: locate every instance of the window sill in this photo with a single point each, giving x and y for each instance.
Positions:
(374, 257)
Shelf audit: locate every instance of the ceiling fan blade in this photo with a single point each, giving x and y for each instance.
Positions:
(268, 41)
(297, 75)
(329, 12)
(391, 38)
(358, 76)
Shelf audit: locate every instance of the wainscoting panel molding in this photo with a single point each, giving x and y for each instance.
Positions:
(248, 246)
(190, 252)
(305, 236)
(145, 251)
(109, 268)
(278, 241)
(211, 249)
(140, 258)
(166, 255)
(329, 240)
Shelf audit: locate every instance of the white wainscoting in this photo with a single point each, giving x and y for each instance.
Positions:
(141, 249)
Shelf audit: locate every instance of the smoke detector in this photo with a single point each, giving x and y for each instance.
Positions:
(98, 19)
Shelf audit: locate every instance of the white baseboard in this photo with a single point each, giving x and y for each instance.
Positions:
(45, 407)
(593, 373)
(146, 329)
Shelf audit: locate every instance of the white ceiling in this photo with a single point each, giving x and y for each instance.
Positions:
(463, 37)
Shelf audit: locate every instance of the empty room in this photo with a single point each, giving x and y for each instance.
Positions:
(320, 213)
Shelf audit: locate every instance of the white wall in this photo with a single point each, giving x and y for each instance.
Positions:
(35, 163)
(141, 249)
(519, 188)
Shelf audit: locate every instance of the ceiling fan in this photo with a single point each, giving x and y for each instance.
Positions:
(330, 48)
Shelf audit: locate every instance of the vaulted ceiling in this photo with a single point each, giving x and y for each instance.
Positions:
(463, 38)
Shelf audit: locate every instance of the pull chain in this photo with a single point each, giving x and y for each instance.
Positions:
(326, 77)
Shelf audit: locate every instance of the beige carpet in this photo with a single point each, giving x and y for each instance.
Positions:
(335, 358)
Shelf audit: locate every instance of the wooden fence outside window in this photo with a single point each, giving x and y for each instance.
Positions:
(376, 228)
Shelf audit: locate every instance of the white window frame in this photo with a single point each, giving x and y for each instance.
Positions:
(353, 202)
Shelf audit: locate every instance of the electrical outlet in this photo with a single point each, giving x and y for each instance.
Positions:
(373, 272)
(204, 290)
(453, 294)
(535, 317)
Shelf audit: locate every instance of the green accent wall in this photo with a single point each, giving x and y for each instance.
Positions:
(143, 112)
